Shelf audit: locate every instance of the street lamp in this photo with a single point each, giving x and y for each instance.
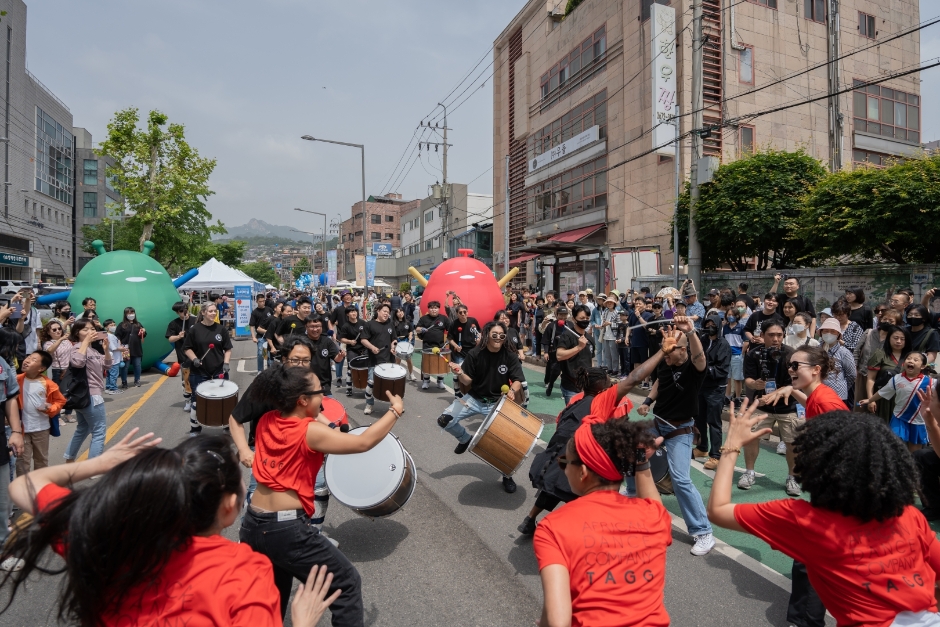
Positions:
(365, 213)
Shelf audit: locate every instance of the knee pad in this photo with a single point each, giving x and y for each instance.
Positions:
(443, 420)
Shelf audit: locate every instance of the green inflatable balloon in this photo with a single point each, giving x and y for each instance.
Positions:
(126, 278)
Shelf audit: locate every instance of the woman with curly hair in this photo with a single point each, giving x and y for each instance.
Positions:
(868, 552)
(584, 580)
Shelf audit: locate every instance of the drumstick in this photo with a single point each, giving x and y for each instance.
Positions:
(211, 346)
(459, 334)
(437, 351)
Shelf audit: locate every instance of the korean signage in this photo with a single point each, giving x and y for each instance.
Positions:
(565, 148)
(360, 270)
(9, 259)
(664, 67)
(242, 310)
(331, 268)
(370, 270)
(381, 249)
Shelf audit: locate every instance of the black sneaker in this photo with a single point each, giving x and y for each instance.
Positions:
(194, 431)
(348, 391)
(443, 420)
(548, 391)
(527, 526)
(462, 447)
(509, 485)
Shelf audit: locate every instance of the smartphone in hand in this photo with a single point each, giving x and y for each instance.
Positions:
(17, 310)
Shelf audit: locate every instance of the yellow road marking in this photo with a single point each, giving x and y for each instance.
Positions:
(128, 414)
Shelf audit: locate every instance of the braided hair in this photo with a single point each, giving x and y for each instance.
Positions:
(592, 381)
(853, 464)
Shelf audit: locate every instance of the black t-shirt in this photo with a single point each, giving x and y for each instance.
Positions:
(250, 410)
(513, 309)
(259, 317)
(677, 396)
(926, 340)
(512, 339)
(570, 366)
(353, 331)
(465, 333)
(402, 329)
(434, 330)
(291, 325)
(381, 335)
(802, 303)
(130, 335)
(778, 372)
(321, 362)
(271, 331)
(756, 320)
(338, 315)
(198, 339)
(176, 326)
(491, 371)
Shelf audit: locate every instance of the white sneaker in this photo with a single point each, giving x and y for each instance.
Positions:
(414, 377)
(747, 480)
(703, 544)
(782, 448)
(440, 384)
(424, 385)
(110, 392)
(367, 410)
(187, 407)
(12, 564)
(792, 487)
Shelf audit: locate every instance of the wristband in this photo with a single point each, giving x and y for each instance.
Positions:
(20, 432)
(647, 401)
(397, 415)
(641, 467)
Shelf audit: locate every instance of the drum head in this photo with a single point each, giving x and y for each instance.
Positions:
(391, 371)
(217, 388)
(366, 479)
(404, 349)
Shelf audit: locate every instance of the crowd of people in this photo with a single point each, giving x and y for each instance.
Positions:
(848, 392)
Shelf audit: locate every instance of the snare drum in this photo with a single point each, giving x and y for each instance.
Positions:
(435, 364)
(359, 370)
(215, 400)
(506, 437)
(404, 350)
(388, 377)
(376, 483)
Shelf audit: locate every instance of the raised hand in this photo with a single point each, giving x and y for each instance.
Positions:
(741, 424)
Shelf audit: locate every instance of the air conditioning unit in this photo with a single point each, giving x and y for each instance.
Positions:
(443, 255)
(556, 8)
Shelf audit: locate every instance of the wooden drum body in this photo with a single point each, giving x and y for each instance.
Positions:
(376, 483)
(388, 377)
(359, 371)
(506, 437)
(435, 364)
(215, 400)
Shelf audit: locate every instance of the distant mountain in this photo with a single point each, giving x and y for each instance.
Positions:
(260, 228)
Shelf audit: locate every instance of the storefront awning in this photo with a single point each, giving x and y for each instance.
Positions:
(578, 234)
(567, 243)
(522, 259)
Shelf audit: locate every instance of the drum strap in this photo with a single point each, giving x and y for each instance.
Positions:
(678, 432)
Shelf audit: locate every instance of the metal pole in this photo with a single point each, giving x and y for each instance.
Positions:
(365, 213)
(675, 215)
(506, 224)
(835, 115)
(446, 212)
(695, 250)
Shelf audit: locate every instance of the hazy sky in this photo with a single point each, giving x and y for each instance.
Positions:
(249, 78)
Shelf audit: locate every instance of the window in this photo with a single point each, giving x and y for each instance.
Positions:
(580, 189)
(389, 236)
(109, 181)
(577, 66)
(427, 244)
(429, 216)
(746, 65)
(53, 158)
(871, 158)
(375, 218)
(579, 119)
(746, 135)
(887, 112)
(90, 204)
(866, 25)
(767, 3)
(90, 172)
(389, 218)
(376, 235)
(814, 10)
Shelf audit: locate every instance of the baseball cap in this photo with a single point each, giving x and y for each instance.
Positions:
(582, 293)
(713, 292)
(589, 291)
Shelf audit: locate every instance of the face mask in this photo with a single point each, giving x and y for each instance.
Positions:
(798, 328)
(732, 319)
(711, 330)
(582, 324)
(741, 310)
(111, 329)
(131, 316)
(915, 322)
(829, 338)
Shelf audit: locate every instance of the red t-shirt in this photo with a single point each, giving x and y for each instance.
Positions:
(211, 581)
(622, 409)
(865, 572)
(823, 399)
(614, 548)
(283, 461)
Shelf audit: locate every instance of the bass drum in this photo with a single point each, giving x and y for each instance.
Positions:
(376, 483)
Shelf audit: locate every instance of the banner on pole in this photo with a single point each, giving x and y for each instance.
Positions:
(242, 310)
(360, 270)
(663, 27)
(370, 270)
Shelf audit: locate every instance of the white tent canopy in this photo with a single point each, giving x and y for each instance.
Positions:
(215, 275)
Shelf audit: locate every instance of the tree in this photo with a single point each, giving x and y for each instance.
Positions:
(751, 209)
(159, 174)
(230, 253)
(260, 271)
(888, 212)
(302, 267)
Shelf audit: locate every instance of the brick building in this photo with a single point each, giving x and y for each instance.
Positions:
(384, 213)
(574, 95)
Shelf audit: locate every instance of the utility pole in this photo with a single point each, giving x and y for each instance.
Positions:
(695, 250)
(506, 224)
(675, 215)
(835, 116)
(445, 193)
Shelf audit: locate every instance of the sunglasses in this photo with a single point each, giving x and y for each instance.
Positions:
(795, 365)
(498, 336)
(298, 362)
(312, 392)
(563, 462)
(878, 312)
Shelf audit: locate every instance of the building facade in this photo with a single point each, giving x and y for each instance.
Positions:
(95, 196)
(591, 171)
(384, 213)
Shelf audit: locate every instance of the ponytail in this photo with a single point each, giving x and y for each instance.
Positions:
(281, 386)
(592, 381)
(118, 534)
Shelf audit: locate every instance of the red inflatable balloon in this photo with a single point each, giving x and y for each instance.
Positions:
(473, 283)
(173, 370)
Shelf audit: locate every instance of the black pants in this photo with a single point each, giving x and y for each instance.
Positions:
(638, 356)
(928, 465)
(805, 609)
(708, 420)
(624, 351)
(552, 370)
(547, 501)
(296, 546)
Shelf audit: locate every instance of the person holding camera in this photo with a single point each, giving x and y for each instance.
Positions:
(712, 394)
(765, 371)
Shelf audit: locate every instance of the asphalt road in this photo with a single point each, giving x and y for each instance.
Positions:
(452, 555)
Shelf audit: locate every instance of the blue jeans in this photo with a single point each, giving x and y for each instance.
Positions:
(111, 383)
(679, 456)
(123, 373)
(91, 419)
(260, 344)
(252, 484)
(338, 370)
(601, 358)
(135, 363)
(460, 411)
(567, 394)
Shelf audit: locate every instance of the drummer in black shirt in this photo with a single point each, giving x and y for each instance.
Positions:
(176, 332)
(485, 369)
(258, 323)
(432, 329)
(517, 344)
(575, 350)
(350, 336)
(294, 325)
(208, 346)
(404, 332)
(325, 353)
(337, 318)
(380, 340)
(464, 336)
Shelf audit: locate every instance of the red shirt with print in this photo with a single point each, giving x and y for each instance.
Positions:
(614, 548)
(283, 461)
(822, 400)
(864, 572)
(211, 581)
